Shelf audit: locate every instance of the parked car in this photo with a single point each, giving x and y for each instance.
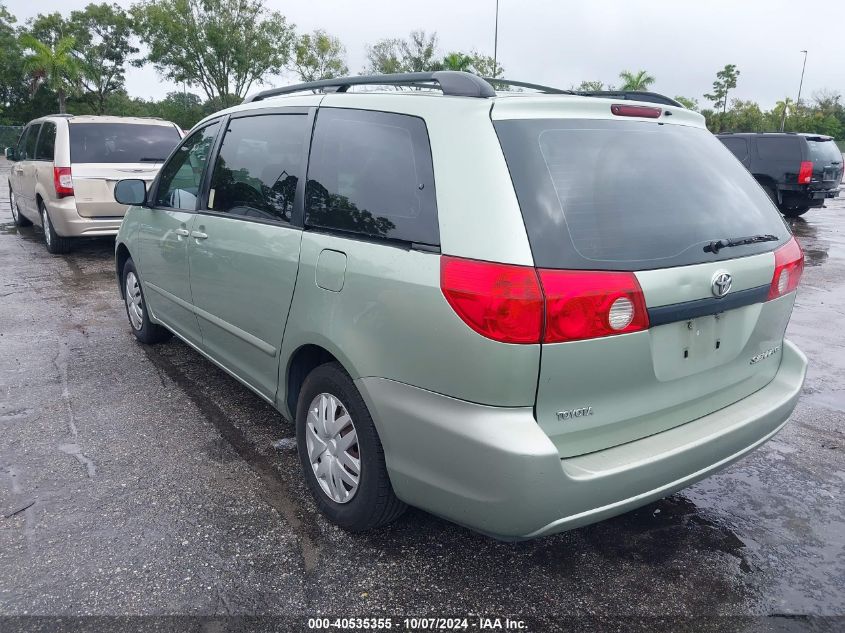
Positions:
(798, 171)
(520, 313)
(65, 168)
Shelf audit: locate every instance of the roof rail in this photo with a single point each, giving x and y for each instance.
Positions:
(451, 82)
(65, 115)
(523, 84)
(632, 95)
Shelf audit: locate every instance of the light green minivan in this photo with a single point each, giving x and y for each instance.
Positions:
(523, 312)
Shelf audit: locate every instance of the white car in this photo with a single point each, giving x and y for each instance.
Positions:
(65, 168)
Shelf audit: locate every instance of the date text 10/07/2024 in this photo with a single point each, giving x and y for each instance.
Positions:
(420, 624)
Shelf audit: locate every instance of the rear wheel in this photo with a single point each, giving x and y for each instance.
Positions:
(139, 319)
(773, 195)
(341, 453)
(795, 212)
(55, 243)
(17, 218)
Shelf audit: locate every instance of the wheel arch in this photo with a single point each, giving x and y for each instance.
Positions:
(302, 362)
(121, 256)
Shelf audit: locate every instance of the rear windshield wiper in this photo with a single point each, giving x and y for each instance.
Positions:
(152, 160)
(716, 245)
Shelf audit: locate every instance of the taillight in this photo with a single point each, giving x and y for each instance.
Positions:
(635, 110)
(789, 265)
(63, 181)
(518, 304)
(499, 301)
(591, 304)
(805, 172)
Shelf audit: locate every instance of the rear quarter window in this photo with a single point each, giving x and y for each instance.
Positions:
(370, 173)
(779, 148)
(631, 195)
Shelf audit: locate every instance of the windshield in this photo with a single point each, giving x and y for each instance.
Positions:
(824, 152)
(121, 142)
(631, 195)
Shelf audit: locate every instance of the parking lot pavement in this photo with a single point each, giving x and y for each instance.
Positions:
(153, 485)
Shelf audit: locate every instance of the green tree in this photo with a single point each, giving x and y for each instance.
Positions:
(639, 80)
(590, 86)
(103, 35)
(418, 53)
(319, 55)
(48, 28)
(52, 66)
(221, 46)
(457, 61)
(725, 82)
(484, 66)
(688, 103)
(745, 116)
(183, 108)
(13, 88)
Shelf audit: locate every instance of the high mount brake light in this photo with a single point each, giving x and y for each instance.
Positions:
(789, 266)
(805, 172)
(520, 304)
(646, 112)
(63, 181)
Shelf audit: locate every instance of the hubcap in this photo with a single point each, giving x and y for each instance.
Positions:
(45, 224)
(332, 444)
(134, 302)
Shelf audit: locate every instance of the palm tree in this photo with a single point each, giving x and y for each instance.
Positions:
(52, 66)
(456, 61)
(640, 80)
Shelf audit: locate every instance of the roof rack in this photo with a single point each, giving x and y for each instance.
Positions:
(451, 82)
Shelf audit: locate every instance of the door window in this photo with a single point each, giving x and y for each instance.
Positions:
(738, 146)
(28, 144)
(181, 176)
(45, 149)
(20, 149)
(371, 173)
(260, 163)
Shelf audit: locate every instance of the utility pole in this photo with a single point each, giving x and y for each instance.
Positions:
(798, 102)
(496, 41)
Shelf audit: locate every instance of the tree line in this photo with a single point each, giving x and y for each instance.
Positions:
(228, 48)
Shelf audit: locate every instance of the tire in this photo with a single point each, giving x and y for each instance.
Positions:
(55, 243)
(773, 196)
(796, 212)
(372, 503)
(139, 319)
(17, 218)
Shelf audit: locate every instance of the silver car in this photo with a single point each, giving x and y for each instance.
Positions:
(65, 168)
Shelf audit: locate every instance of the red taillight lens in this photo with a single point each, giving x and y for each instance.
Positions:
(63, 181)
(518, 304)
(590, 304)
(635, 110)
(499, 301)
(805, 172)
(789, 265)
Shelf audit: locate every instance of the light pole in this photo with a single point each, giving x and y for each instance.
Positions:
(496, 41)
(800, 85)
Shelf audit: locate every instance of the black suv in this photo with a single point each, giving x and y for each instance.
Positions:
(798, 171)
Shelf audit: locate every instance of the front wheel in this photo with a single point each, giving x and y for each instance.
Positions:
(17, 218)
(55, 243)
(133, 295)
(341, 453)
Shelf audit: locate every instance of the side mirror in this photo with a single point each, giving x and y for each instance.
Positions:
(130, 192)
(10, 154)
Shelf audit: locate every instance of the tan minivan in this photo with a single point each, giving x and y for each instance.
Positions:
(65, 168)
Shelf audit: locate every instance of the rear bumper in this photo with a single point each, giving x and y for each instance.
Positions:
(68, 223)
(494, 470)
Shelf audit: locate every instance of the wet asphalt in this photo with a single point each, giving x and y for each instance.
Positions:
(145, 481)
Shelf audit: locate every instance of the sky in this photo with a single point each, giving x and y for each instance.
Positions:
(560, 43)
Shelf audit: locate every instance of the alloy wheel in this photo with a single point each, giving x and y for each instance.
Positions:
(45, 225)
(332, 443)
(134, 301)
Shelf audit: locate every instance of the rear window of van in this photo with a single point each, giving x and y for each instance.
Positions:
(631, 195)
(121, 142)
